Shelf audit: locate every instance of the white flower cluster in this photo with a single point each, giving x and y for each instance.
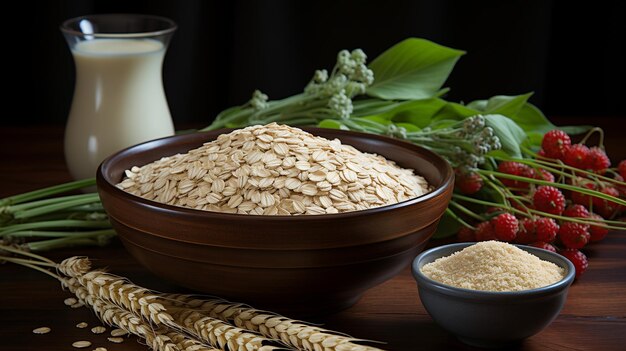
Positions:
(349, 77)
(341, 104)
(258, 101)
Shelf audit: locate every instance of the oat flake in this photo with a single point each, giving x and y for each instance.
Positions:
(41, 330)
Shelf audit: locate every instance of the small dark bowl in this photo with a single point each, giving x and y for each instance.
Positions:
(299, 264)
(491, 319)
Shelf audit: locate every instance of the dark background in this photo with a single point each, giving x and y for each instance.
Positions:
(570, 55)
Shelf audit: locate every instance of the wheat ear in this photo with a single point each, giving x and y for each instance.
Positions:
(159, 339)
(293, 333)
(147, 304)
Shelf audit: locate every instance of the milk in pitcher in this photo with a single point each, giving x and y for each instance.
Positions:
(118, 100)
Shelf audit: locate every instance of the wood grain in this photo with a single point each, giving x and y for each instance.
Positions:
(594, 317)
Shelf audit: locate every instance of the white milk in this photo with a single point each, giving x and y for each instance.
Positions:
(118, 101)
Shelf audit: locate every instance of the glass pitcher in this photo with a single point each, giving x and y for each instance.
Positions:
(118, 97)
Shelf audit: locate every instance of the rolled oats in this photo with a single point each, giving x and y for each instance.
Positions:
(274, 170)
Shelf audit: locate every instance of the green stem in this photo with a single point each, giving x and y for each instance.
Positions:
(368, 107)
(549, 166)
(56, 207)
(52, 234)
(467, 211)
(497, 186)
(607, 223)
(54, 200)
(459, 219)
(557, 185)
(83, 239)
(67, 223)
(308, 106)
(45, 192)
(590, 133)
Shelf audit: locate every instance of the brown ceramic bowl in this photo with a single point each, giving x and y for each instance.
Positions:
(299, 264)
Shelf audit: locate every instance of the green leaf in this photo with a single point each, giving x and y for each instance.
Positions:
(448, 226)
(534, 139)
(531, 119)
(455, 111)
(418, 112)
(509, 133)
(366, 107)
(410, 128)
(443, 123)
(498, 153)
(332, 124)
(501, 104)
(412, 69)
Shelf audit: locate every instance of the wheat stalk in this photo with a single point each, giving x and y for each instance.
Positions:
(138, 310)
(158, 339)
(148, 305)
(293, 333)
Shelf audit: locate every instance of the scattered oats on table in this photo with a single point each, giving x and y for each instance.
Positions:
(81, 325)
(116, 340)
(98, 330)
(41, 330)
(81, 344)
(274, 170)
(118, 332)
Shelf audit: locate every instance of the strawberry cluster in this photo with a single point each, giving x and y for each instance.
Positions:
(544, 216)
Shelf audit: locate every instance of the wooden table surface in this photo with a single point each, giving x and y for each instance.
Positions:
(594, 317)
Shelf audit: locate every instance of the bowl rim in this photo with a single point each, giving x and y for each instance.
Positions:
(448, 180)
(426, 282)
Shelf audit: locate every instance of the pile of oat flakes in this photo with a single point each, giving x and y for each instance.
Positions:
(274, 170)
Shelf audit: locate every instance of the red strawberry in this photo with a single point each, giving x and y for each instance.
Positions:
(578, 259)
(555, 142)
(465, 234)
(505, 226)
(574, 235)
(527, 172)
(598, 160)
(485, 232)
(544, 245)
(597, 231)
(546, 229)
(576, 211)
(606, 208)
(544, 175)
(577, 155)
(549, 199)
(512, 168)
(526, 232)
(468, 182)
(582, 199)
